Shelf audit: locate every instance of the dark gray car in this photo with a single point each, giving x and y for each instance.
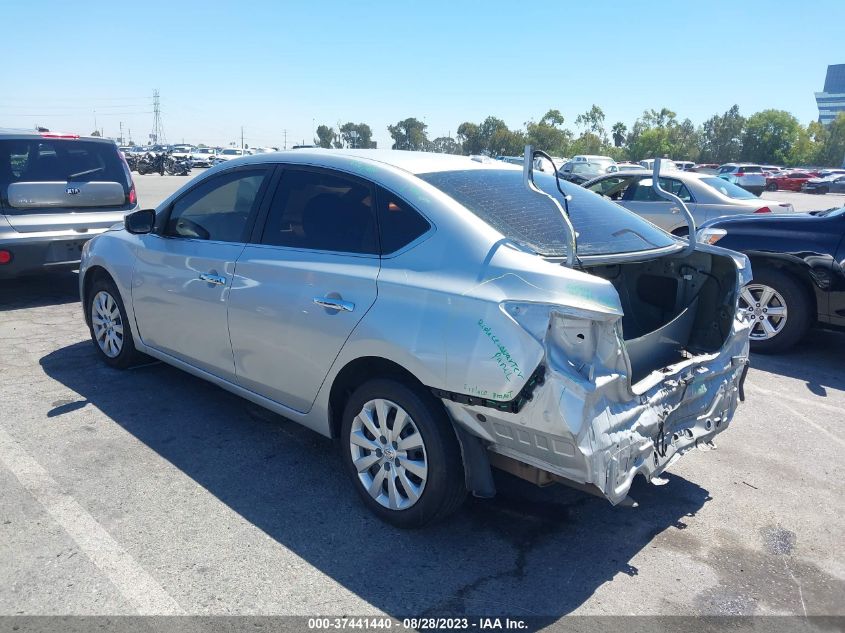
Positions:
(57, 191)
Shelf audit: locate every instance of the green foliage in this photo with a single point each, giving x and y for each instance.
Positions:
(721, 137)
(832, 153)
(325, 137)
(409, 134)
(491, 137)
(364, 137)
(445, 145)
(549, 134)
(618, 132)
(593, 122)
(769, 137)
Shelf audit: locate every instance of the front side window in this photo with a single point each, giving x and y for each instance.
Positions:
(316, 210)
(218, 209)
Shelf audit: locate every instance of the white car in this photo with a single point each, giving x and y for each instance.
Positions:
(230, 153)
(203, 156)
(182, 151)
(665, 164)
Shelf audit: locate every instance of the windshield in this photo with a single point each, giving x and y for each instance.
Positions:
(499, 197)
(729, 189)
(230, 152)
(583, 168)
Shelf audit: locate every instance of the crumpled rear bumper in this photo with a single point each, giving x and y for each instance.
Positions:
(586, 431)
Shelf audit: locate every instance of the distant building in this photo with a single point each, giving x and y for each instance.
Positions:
(832, 101)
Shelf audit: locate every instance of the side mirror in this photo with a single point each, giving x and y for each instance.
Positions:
(140, 222)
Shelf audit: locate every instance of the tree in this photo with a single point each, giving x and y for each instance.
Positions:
(832, 153)
(769, 137)
(809, 147)
(721, 137)
(348, 132)
(325, 136)
(657, 134)
(469, 138)
(618, 131)
(445, 145)
(409, 134)
(549, 134)
(593, 121)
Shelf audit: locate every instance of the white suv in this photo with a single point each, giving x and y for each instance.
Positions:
(749, 176)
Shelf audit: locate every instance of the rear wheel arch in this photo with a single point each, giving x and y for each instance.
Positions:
(354, 374)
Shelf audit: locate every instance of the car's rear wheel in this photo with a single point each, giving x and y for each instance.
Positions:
(821, 190)
(402, 454)
(779, 309)
(110, 329)
(771, 187)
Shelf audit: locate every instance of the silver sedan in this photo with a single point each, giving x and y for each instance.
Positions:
(430, 312)
(707, 197)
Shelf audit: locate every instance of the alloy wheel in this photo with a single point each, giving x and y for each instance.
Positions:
(389, 454)
(766, 308)
(107, 324)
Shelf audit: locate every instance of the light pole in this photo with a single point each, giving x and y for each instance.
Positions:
(354, 136)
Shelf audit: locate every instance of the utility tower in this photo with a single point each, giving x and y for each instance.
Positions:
(157, 135)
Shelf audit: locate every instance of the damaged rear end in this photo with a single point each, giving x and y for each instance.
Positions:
(592, 374)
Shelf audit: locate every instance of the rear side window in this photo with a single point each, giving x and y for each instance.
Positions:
(498, 197)
(399, 223)
(219, 209)
(321, 211)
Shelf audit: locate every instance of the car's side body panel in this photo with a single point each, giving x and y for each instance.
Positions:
(470, 314)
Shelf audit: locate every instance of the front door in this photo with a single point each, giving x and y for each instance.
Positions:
(304, 285)
(183, 272)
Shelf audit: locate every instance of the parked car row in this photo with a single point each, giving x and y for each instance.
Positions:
(198, 156)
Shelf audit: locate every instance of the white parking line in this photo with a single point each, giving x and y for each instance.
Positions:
(136, 585)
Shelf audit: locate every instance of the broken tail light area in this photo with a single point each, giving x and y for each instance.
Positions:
(603, 413)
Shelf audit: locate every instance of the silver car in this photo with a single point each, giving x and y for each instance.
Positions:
(706, 196)
(429, 312)
(57, 191)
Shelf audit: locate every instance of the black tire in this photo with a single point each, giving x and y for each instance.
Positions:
(681, 231)
(444, 490)
(771, 187)
(800, 312)
(821, 191)
(127, 355)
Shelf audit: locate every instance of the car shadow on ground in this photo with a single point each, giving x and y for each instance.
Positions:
(817, 361)
(39, 290)
(528, 552)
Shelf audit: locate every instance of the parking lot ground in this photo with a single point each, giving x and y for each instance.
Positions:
(150, 491)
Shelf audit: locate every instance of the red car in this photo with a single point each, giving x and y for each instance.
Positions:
(788, 181)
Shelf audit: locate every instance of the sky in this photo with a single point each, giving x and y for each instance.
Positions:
(279, 69)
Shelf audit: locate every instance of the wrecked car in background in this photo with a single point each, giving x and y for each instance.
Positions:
(436, 314)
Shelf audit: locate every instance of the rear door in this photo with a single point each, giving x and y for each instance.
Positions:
(60, 184)
(183, 272)
(304, 284)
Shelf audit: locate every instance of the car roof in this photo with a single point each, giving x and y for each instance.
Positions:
(11, 133)
(412, 162)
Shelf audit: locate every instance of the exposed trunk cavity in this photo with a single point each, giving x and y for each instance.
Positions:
(674, 307)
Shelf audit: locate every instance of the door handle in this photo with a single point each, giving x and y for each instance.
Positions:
(674, 209)
(334, 304)
(217, 280)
